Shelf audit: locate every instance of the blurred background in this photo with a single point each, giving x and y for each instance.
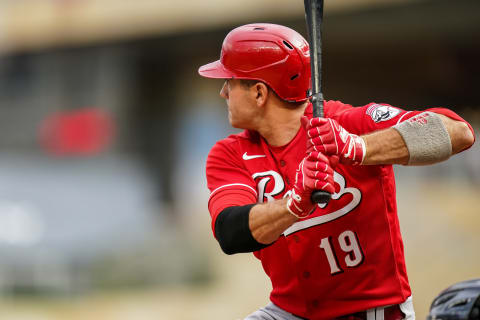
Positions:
(105, 126)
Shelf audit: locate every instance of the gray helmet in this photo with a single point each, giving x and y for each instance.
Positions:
(460, 301)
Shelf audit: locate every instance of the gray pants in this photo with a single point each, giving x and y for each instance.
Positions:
(271, 312)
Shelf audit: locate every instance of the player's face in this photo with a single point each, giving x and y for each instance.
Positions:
(242, 110)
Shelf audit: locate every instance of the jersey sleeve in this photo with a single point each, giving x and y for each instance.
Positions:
(366, 119)
(375, 116)
(229, 182)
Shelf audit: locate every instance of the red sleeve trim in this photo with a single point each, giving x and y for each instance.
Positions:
(236, 185)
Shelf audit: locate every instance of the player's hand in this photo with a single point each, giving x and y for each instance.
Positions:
(313, 173)
(329, 137)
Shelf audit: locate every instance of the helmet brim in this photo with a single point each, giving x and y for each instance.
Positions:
(215, 70)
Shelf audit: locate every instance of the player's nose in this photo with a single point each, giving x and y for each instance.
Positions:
(224, 91)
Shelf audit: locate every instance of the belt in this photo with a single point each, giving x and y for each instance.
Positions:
(392, 312)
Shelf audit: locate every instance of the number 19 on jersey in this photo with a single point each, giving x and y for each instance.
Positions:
(351, 251)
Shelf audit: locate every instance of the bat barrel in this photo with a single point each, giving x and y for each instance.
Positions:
(314, 17)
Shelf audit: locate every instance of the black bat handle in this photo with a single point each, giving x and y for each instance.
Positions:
(314, 17)
(319, 196)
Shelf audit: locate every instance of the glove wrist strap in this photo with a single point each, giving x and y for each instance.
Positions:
(294, 210)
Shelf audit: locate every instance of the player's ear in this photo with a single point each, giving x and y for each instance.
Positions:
(261, 93)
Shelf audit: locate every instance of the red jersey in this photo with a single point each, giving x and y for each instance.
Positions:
(347, 256)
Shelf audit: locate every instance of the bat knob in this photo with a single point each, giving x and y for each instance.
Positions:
(320, 197)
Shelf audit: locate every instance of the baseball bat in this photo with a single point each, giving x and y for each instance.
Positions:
(314, 18)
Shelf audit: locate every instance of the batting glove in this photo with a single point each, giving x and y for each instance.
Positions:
(313, 173)
(327, 136)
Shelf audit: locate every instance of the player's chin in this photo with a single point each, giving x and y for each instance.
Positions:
(238, 125)
(230, 119)
(233, 122)
(237, 122)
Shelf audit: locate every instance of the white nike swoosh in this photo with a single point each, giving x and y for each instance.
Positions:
(247, 157)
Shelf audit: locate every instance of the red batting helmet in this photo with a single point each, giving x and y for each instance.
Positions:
(274, 54)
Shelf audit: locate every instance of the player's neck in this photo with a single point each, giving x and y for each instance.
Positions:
(281, 125)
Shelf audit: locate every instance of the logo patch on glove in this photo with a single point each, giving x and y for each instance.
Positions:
(381, 112)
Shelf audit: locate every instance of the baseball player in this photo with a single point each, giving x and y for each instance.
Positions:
(341, 260)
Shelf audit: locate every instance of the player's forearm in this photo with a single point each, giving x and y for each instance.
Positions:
(269, 220)
(385, 147)
(388, 147)
(251, 227)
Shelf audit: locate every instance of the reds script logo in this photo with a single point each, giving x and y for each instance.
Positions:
(266, 177)
(279, 186)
